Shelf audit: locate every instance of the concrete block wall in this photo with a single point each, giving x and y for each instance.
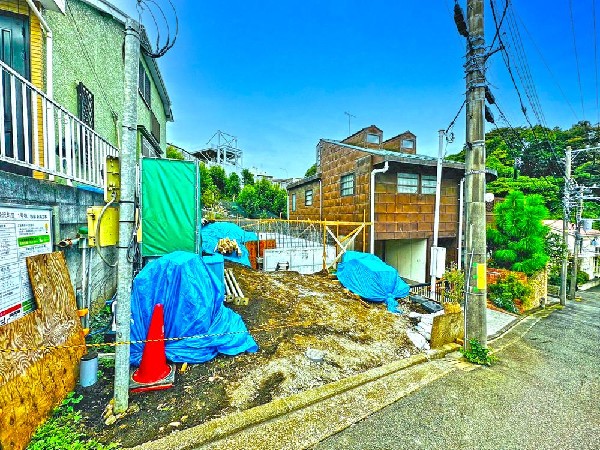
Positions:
(72, 204)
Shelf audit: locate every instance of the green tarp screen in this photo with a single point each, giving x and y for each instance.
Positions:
(170, 206)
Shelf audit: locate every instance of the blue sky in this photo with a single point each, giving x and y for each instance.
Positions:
(279, 75)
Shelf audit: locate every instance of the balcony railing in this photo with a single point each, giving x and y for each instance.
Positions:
(37, 133)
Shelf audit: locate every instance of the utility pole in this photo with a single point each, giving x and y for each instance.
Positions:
(436, 217)
(126, 214)
(574, 267)
(566, 202)
(475, 305)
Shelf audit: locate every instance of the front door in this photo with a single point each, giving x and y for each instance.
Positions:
(14, 51)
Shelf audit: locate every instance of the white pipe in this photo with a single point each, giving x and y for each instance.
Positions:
(460, 220)
(436, 217)
(49, 48)
(373, 173)
(320, 199)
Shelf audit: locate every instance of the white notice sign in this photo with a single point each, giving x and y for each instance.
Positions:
(24, 232)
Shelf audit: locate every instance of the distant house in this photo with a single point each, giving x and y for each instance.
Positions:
(404, 196)
(63, 90)
(589, 252)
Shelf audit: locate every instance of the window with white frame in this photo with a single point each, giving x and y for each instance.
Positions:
(308, 197)
(408, 183)
(373, 138)
(408, 143)
(413, 183)
(347, 185)
(293, 202)
(428, 184)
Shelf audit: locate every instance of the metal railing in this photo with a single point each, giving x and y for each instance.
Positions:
(37, 133)
(441, 291)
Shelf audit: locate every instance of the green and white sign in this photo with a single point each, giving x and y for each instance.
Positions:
(24, 231)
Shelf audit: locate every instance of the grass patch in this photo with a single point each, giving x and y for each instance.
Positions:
(63, 430)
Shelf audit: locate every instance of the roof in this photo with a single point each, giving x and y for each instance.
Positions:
(363, 129)
(406, 158)
(304, 181)
(120, 16)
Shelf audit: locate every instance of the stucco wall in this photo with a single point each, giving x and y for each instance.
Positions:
(88, 48)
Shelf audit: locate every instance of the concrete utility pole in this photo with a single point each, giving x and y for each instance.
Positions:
(566, 201)
(436, 218)
(475, 308)
(126, 213)
(575, 265)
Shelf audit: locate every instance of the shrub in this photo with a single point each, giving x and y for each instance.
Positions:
(478, 354)
(505, 291)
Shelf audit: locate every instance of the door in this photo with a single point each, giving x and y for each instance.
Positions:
(14, 51)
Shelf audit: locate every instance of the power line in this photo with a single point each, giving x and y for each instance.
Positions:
(158, 51)
(566, 99)
(596, 61)
(576, 55)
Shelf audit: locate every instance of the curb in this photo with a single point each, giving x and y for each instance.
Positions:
(225, 426)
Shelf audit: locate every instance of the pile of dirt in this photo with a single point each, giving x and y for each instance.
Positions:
(288, 314)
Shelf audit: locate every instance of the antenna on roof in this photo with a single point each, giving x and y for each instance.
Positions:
(349, 118)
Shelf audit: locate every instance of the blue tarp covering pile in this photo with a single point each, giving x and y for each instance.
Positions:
(212, 232)
(371, 278)
(193, 305)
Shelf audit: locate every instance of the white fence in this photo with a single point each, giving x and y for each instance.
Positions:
(66, 148)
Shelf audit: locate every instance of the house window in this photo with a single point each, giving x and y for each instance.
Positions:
(155, 127)
(373, 138)
(293, 202)
(347, 185)
(308, 197)
(144, 85)
(408, 143)
(408, 183)
(428, 184)
(412, 183)
(85, 105)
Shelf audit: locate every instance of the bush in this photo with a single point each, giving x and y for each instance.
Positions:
(478, 354)
(504, 292)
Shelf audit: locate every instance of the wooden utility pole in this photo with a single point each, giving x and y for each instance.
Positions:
(566, 202)
(475, 307)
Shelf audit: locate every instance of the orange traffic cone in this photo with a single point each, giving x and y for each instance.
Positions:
(154, 373)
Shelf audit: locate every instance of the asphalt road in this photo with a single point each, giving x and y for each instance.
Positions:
(542, 393)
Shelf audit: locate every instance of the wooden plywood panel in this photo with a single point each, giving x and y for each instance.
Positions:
(39, 353)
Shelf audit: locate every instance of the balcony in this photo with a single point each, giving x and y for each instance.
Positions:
(39, 136)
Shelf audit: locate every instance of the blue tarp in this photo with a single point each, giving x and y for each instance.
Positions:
(212, 232)
(193, 305)
(371, 278)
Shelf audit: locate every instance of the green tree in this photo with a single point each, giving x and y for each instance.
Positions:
(247, 177)
(312, 170)
(219, 178)
(174, 153)
(518, 240)
(233, 186)
(263, 199)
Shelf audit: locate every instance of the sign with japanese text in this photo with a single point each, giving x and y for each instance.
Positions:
(24, 231)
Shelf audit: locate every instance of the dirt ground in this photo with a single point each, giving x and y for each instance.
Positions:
(287, 314)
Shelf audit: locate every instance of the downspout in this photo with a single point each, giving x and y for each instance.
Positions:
(460, 221)
(320, 199)
(49, 49)
(373, 173)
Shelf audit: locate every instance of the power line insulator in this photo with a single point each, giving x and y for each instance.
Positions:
(459, 20)
(488, 115)
(489, 96)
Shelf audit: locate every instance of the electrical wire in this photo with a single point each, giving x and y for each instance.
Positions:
(159, 51)
(576, 55)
